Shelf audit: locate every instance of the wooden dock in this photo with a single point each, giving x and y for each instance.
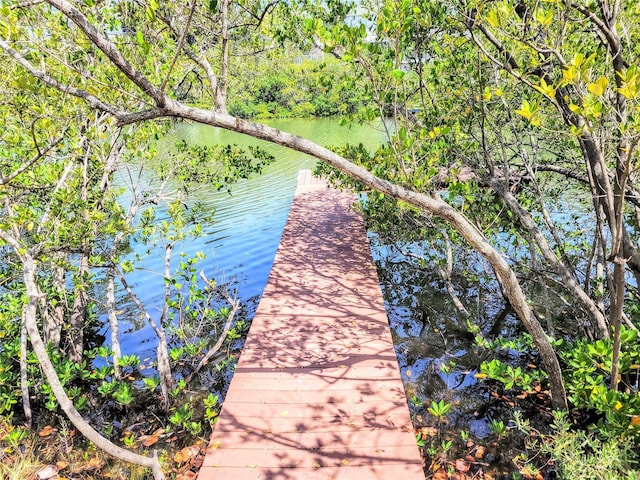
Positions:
(317, 392)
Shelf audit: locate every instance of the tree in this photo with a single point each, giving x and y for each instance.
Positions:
(589, 84)
(63, 232)
(463, 66)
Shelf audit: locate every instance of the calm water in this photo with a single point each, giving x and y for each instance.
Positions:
(241, 242)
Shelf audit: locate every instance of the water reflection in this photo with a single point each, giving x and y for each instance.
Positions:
(436, 352)
(241, 241)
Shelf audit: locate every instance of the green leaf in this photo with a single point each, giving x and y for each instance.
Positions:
(529, 111)
(402, 133)
(398, 74)
(493, 19)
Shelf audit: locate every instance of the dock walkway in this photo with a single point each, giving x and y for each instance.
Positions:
(317, 392)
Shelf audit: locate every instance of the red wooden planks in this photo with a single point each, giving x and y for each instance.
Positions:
(317, 393)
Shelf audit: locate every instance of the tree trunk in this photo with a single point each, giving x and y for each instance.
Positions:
(30, 320)
(75, 336)
(597, 316)
(81, 297)
(24, 380)
(431, 204)
(52, 322)
(221, 86)
(113, 323)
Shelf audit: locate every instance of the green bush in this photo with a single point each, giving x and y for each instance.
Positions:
(243, 109)
(587, 379)
(296, 88)
(576, 455)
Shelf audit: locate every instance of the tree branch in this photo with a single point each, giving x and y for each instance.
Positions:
(181, 40)
(110, 50)
(598, 22)
(5, 180)
(235, 306)
(92, 100)
(202, 60)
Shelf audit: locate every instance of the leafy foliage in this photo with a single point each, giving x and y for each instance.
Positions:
(302, 88)
(575, 454)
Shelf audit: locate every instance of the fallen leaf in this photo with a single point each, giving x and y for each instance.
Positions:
(148, 440)
(186, 454)
(316, 465)
(344, 461)
(480, 451)
(462, 465)
(61, 464)
(440, 475)
(46, 431)
(197, 462)
(429, 431)
(93, 464)
(47, 472)
(635, 420)
(188, 475)
(215, 445)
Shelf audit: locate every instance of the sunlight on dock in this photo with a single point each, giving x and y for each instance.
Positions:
(317, 392)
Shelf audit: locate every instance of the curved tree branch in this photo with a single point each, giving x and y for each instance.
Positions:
(30, 319)
(110, 50)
